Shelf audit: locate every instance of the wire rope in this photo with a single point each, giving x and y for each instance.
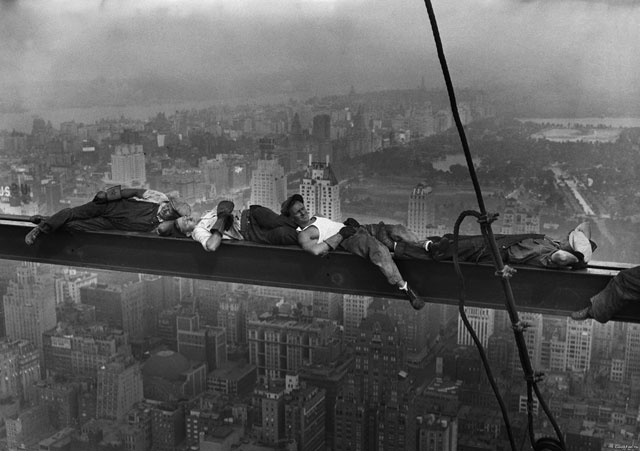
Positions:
(503, 271)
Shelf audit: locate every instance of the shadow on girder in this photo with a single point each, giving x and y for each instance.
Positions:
(536, 290)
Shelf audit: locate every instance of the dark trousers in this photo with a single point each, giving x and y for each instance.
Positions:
(126, 215)
(262, 225)
(623, 289)
(471, 248)
(365, 245)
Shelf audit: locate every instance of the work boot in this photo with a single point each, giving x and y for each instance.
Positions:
(36, 219)
(383, 236)
(437, 247)
(32, 236)
(415, 301)
(581, 315)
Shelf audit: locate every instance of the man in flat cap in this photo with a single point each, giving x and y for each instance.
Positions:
(318, 236)
(126, 209)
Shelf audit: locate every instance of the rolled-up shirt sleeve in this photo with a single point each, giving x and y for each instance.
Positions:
(202, 232)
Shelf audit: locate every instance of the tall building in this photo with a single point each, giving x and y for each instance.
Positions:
(632, 352)
(381, 387)
(268, 184)
(321, 191)
(68, 284)
(206, 344)
(61, 401)
(359, 135)
(80, 351)
(216, 175)
(280, 346)
(30, 303)
(304, 417)
(271, 402)
(553, 356)
(354, 309)
(438, 434)
(329, 377)
(321, 127)
(232, 316)
(20, 366)
(167, 426)
(411, 324)
(579, 338)
(482, 320)
(422, 210)
(27, 428)
(327, 305)
(119, 388)
(118, 305)
(350, 418)
(128, 166)
(136, 433)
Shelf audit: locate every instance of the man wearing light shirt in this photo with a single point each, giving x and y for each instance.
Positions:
(257, 224)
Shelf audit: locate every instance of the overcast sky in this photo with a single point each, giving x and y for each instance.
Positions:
(372, 44)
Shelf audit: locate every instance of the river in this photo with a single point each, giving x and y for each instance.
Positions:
(23, 121)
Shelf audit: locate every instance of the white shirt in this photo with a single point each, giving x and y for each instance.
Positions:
(202, 232)
(326, 227)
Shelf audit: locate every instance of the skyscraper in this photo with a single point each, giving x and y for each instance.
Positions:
(278, 346)
(167, 426)
(202, 344)
(119, 388)
(20, 366)
(321, 191)
(121, 305)
(354, 309)
(68, 284)
(482, 321)
(632, 352)
(381, 387)
(304, 415)
(579, 337)
(268, 184)
(30, 303)
(422, 211)
(80, 351)
(128, 166)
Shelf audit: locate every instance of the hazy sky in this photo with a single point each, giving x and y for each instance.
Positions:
(371, 44)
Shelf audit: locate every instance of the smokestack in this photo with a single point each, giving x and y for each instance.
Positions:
(310, 161)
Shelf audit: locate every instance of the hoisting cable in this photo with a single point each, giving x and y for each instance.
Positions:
(485, 220)
(469, 327)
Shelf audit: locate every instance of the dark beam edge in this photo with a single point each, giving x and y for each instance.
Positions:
(536, 290)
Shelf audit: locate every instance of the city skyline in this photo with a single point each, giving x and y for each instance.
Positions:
(235, 49)
(344, 103)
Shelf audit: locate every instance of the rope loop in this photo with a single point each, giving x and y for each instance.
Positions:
(521, 326)
(506, 272)
(488, 218)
